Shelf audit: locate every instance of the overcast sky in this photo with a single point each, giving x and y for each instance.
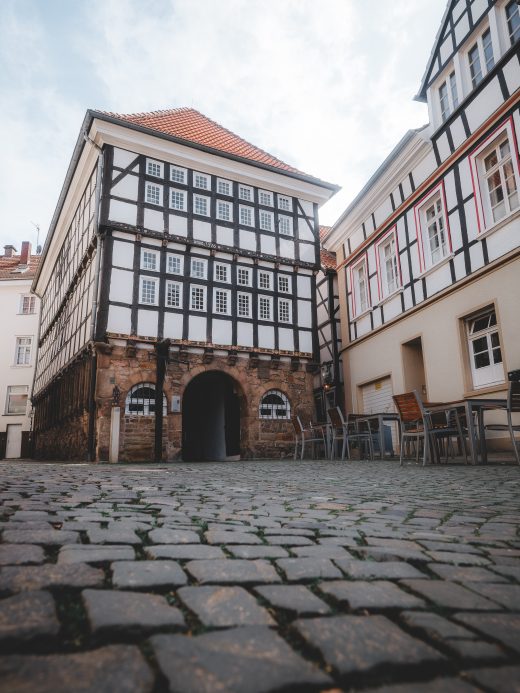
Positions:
(325, 85)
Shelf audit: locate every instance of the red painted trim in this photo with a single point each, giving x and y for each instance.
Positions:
(361, 260)
(418, 226)
(379, 242)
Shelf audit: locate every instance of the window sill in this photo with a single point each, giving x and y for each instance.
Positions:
(21, 365)
(439, 264)
(500, 224)
(486, 390)
(362, 315)
(390, 296)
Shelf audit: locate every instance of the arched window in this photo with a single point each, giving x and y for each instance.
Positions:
(274, 405)
(140, 401)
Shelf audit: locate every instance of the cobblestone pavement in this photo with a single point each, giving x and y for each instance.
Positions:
(259, 576)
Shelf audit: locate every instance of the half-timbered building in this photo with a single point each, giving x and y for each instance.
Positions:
(178, 286)
(429, 251)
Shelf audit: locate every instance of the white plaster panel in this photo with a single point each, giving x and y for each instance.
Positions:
(460, 267)
(307, 252)
(286, 248)
(363, 326)
(419, 295)
(383, 211)
(484, 104)
(470, 213)
(376, 316)
(245, 334)
(197, 328)
(503, 240)
(374, 290)
(201, 230)
(307, 207)
(444, 147)
(123, 212)
(458, 9)
(371, 258)
(405, 272)
(247, 240)
(303, 286)
(322, 313)
(178, 225)
(305, 338)
(122, 158)
(127, 187)
(457, 132)
(461, 29)
(304, 231)
(304, 314)
(446, 49)
(121, 286)
(266, 336)
(407, 188)
(408, 303)
(172, 326)
(153, 220)
(465, 178)
(123, 254)
(147, 322)
(477, 9)
(154, 241)
(455, 232)
(267, 244)
(438, 280)
(221, 331)
(356, 239)
(512, 74)
(225, 236)
(476, 257)
(401, 235)
(423, 169)
(119, 320)
(392, 308)
(285, 339)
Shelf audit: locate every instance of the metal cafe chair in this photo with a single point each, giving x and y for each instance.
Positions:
(513, 406)
(304, 435)
(347, 431)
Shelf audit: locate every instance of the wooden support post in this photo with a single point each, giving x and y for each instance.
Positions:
(115, 420)
(162, 350)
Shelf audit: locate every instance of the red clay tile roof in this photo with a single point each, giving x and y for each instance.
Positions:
(189, 124)
(324, 231)
(328, 259)
(8, 265)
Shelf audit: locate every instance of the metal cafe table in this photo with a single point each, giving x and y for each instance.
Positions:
(381, 419)
(473, 407)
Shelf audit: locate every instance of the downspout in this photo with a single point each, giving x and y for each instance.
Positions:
(334, 333)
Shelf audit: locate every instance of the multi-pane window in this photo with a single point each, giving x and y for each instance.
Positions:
(360, 287)
(174, 294)
(149, 260)
(224, 187)
(388, 266)
(200, 180)
(244, 305)
(265, 305)
(244, 276)
(153, 194)
(199, 268)
(140, 400)
(178, 200)
(245, 193)
(265, 198)
(480, 58)
(153, 168)
(284, 284)
(284, 310)
(221, 272)
(148, 291)
(178, 174)
(274, 405)
(224, 210)
(175, 263)
(513, 20)
(484, 349)
(435, 239)
(247, 216)
(448, 96)
(22, 356)
(285, 225)
(17, 399)
(284, 203)
(265, 280)
(198, 298)
(500, 180)
(201, 205)
(221, 301)
(266, 220)
(27, 305)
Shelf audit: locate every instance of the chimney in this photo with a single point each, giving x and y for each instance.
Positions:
(25, 255)
(9, 250)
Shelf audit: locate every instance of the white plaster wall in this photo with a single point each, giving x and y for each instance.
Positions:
(119, 320)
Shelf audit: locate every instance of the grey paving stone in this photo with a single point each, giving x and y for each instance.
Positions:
(107, 609)
(439, 685)
(232, 571)
(320, 551)
(308, 568)
(478, 651)
(120, 668)
(502, 627)
(113, 536)
(91, 553)
(22, 578)
(47, 537)
(399, 544)
(22, 515)
(367, 570)
(436, 626)
(220, 537)
(497, 679)
(464, 574)
(137, 574)
(509, 571)
(359, 643)
(239, 660)
(505, 595)
(185, 552)
(450, 595)
(289, 540)
(296, 598)
(379, 594)
(20, 554)
(225, 606)
(458, 558)
(28, 616)
(379, 553)
(165, 535)
(348, 542)
(244, 551)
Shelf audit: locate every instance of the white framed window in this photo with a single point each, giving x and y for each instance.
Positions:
(480, 58)
(243, 305)
(265, 198)
(153, 194)
(513, 21)
(173, 294)
(140, 400)
(224, 187)
(221, 272)
(360, 288)
(149, 260)
(247, 216)
(284, 203)
(148, 291)
(274, 405)
(178, 174)
(16, 402)
(197, 297)
(448, 96)
(433, 237)
(244, 276)
(22, 354)
(284, 284)
(175, 264)
(265, 308)
(199, 268)
(284, 310)
(484, 349)
(27, 304)
(201, 205)
(265, 280)
(245, 192)
(201, 180)
(496, 177)
(224, 210)
(154, 168)
(266, 220)
(388, 265)
(221, 301)
(178, 200)
(285, 226)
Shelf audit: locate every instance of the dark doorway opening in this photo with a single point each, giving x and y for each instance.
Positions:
(211, 418)
(413, 367)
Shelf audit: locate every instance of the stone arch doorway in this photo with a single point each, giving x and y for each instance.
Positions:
(211, 418)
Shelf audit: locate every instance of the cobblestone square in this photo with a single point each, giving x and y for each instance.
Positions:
(259, 576)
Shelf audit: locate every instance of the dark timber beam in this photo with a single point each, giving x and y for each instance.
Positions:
(162, 350)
